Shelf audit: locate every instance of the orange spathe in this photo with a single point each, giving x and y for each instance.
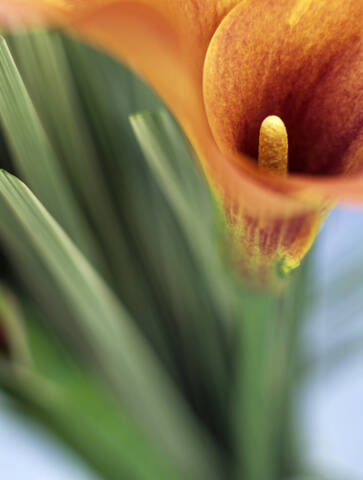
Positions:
(224, 66)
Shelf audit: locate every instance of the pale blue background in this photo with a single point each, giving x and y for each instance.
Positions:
(27, 452)
(331, 406)
(333, 400)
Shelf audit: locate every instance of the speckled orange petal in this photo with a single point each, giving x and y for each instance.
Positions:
(301, 60)
(147, 39)
(257, 61)
(151, 37)
(142, 33)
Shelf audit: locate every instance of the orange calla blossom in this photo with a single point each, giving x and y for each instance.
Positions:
(222, 67)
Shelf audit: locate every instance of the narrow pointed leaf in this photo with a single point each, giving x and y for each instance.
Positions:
(127, 360)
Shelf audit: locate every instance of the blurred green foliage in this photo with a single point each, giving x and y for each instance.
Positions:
(129, 333)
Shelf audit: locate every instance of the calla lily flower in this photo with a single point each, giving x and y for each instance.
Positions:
(223, 67)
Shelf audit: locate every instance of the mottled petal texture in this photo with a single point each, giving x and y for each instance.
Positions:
(307, 69)
(222, 66)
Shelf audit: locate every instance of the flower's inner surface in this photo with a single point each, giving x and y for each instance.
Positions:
(302, 65)
(273, 146)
